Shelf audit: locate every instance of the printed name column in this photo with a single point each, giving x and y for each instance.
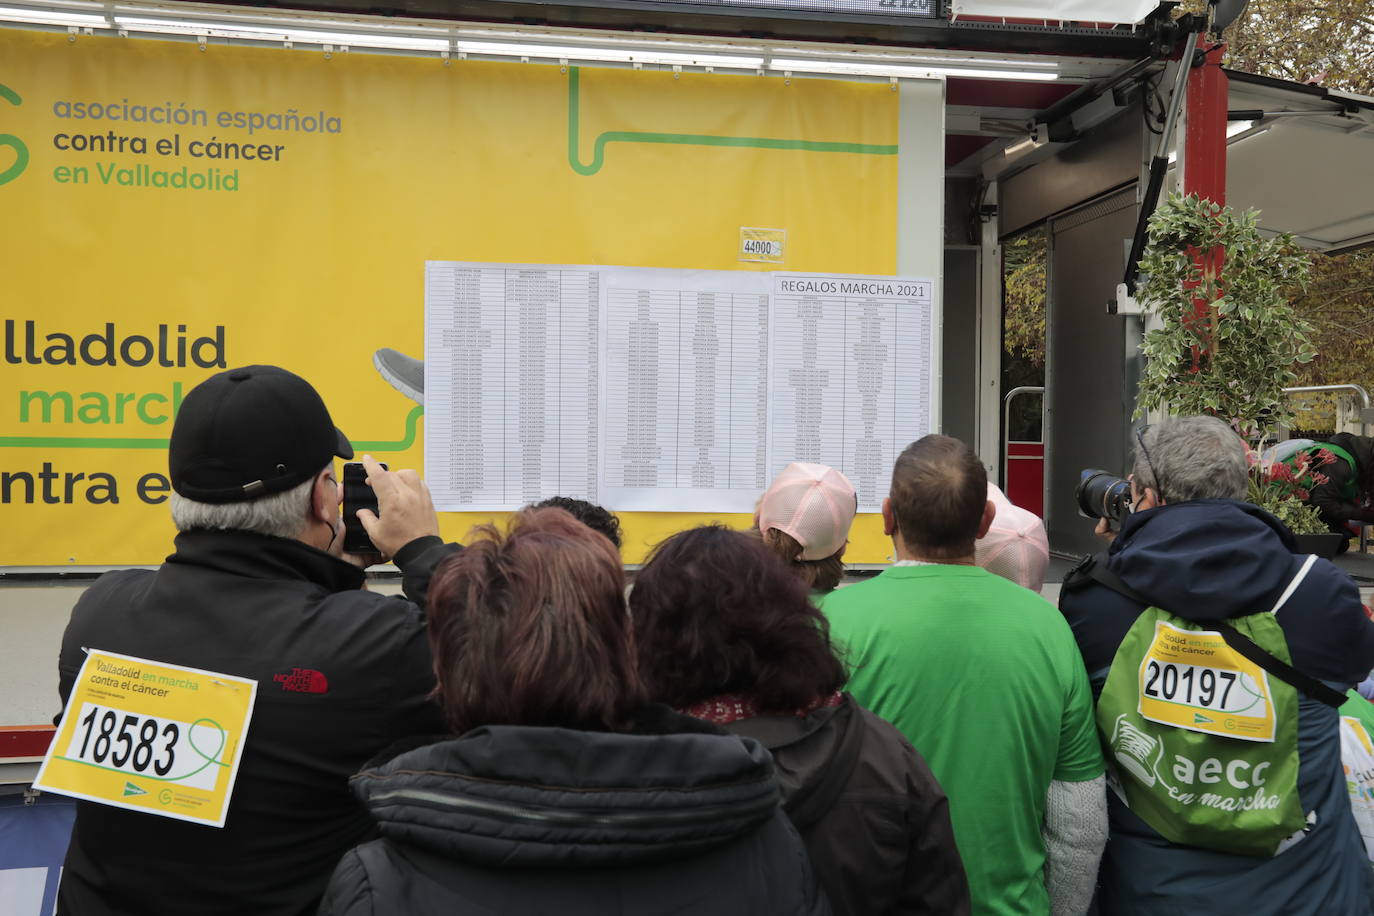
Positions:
(579, 404)
(912, 355)
(808, 358)
(640, 394)
(465, 385)
(533, 307)
(703, 392)
(749, 349)
(870, 424)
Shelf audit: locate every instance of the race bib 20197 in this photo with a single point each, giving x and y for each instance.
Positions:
(142, 735)
(1193, 680)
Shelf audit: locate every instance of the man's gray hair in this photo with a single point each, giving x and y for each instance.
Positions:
(282, 515)
(1192, 458)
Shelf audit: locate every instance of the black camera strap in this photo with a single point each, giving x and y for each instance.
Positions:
(1096, 568)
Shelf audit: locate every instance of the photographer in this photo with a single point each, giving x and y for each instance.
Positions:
(258, 588)
(1230, 793)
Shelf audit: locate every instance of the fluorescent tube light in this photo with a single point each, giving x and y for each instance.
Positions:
(619, 55)
(40, 16)
(924, 58)
(267, 33)
(857, 68)
(1233, 130)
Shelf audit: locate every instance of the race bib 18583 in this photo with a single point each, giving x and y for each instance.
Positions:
(162, 739)
(1192, 679)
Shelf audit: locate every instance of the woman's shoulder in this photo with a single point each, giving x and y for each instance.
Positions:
(887, 755)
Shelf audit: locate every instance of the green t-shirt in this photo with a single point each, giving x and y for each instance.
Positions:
(985, 679)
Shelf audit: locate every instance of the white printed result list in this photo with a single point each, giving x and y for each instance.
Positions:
(665, 390)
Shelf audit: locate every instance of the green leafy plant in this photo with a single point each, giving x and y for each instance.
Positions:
(1234, 360)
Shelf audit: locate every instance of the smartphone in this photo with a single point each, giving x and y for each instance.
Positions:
(357, 495)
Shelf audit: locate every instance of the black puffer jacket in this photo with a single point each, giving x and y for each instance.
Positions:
(530, 821)
(873, 818)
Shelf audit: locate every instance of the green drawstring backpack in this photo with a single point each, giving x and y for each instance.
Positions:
(1201, 724)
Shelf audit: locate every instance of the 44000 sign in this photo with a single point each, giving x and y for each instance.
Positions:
(153, 737)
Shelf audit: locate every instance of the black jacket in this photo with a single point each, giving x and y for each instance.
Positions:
(1332, 499)
(341, 673)
(873, 818)
(525, 821)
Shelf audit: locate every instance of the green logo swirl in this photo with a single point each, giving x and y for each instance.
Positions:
(21, 152)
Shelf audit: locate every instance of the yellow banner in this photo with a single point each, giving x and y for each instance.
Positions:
(161, 739)
(171, 210)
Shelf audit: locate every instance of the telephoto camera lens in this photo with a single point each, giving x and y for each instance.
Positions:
(1103, 495)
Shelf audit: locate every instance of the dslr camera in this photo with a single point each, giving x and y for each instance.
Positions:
(1103, 495)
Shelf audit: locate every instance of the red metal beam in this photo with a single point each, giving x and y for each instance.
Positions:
(25, 740)
(1204, 167)
(1204, 150)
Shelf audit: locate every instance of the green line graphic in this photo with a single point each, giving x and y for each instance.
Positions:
(637, 136)
(398, 445)
(77, 442)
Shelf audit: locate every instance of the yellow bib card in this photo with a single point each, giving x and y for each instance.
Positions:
(1192, 679)
(150, 737)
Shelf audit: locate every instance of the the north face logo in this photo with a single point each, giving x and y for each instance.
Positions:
(303, 680)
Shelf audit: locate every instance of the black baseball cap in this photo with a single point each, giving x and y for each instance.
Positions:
(249, 432)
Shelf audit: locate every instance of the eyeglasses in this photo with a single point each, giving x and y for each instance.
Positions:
(1149, 465)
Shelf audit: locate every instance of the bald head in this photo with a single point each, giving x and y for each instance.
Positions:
(939, 494)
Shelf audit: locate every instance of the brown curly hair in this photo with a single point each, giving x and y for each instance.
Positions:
(715, 611)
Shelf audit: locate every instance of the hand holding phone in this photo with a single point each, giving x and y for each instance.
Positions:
(405, 511)
(357, 494)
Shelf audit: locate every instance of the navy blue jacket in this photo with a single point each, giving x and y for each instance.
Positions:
(1208, 560)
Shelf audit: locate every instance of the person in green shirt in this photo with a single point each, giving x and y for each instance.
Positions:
(985, 679)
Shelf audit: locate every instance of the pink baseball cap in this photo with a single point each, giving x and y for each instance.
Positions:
(1015, 547)
(814, 503)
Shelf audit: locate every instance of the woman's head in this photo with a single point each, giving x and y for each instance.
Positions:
(716, 612)
(528, 627)
(804, 518)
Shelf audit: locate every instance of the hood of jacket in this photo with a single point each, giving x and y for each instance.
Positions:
(553, 797)
(1206, 559)
(808, 753)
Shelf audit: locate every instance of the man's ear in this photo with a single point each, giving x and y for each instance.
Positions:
(1148, 500)
(889, 524)
(324, 498)
(989, 513)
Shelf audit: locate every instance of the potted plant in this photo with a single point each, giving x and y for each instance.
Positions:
(1233, 358)
(1281, 486)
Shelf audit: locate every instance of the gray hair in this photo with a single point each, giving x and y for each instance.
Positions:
(1192, 458)
(282, 515)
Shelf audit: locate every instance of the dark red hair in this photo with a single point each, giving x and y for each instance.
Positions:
(715, 611)
(529, 628)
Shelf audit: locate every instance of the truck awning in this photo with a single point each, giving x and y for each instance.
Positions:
(1306, 160)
